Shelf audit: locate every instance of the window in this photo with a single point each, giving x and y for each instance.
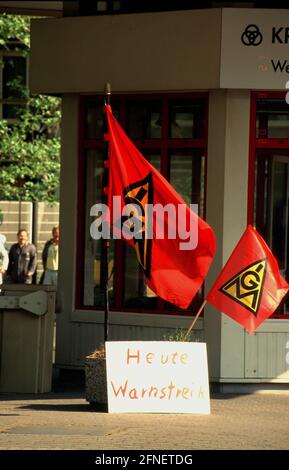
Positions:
(14, 80)
(272, 118)
(269, 177)
(171, 132)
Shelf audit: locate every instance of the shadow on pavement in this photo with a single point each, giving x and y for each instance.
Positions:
(65, 384)
(77, 407)
(70, 384)
(227, 396)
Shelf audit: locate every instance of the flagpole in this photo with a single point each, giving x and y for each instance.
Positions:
(105, 248)
(195, 320)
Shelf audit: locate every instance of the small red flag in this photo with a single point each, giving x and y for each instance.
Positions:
(250, 286)
(173, 273)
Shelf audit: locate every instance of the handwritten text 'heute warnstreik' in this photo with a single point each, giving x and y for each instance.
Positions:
(170, 391)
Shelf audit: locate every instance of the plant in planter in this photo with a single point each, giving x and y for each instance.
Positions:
(181, 335)
(95, 377)
(177, 335)
(95, 368)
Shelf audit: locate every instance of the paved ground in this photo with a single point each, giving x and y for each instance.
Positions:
(64, 420)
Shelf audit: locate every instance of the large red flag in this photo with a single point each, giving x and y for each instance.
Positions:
(250, 286)
(172, 273)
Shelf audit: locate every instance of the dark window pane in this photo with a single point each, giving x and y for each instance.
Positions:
(14, 83)
(12, 111)
(272, 119)
(102, 5)
(181, 175)
(187, 119)
(14, 77)
(95, 125)
(94, 121)
(144, 119)
(136, 294)
(187, 176)
(154, 158)
(261, 196)
(279, 211)
(93, 279)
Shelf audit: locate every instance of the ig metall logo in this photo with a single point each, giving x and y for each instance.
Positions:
(252, 36)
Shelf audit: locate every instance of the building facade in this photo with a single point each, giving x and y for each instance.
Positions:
(202, 93)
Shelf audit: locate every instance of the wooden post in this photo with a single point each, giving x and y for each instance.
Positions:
(195, 320)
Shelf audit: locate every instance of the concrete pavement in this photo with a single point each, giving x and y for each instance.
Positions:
(64, 420)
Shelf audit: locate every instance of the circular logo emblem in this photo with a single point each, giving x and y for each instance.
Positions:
(252, 36)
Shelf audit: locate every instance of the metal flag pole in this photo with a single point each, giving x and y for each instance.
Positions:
(105, 243)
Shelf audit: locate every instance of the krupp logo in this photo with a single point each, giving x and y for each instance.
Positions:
(252, 36)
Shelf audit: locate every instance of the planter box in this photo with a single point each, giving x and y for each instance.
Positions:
(95, 380)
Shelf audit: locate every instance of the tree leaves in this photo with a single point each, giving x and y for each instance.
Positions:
(15, 28)
(30, 147)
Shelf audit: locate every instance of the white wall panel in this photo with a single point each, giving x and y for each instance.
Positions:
(266, 355)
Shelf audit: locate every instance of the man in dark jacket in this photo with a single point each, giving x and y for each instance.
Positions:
(22, 260)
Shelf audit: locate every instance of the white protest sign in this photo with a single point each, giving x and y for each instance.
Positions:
(157, 377)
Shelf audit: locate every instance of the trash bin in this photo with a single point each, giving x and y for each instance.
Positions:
(27, 317)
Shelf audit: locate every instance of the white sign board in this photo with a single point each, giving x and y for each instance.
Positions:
(157, 377)
(254, 48)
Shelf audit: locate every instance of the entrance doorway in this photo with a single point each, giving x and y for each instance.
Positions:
(269, 177)
(271, 203)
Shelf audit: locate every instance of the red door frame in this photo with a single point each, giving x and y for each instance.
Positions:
(260, 143)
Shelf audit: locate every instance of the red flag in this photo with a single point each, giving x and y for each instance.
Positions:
(250, 287)
(172, 273)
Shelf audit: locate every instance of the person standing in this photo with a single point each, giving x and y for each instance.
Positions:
(50, 258)
(22, 260)
(3, 257)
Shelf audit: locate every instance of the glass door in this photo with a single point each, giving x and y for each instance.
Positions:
(271, 211)
(269, 177)
(278, 223)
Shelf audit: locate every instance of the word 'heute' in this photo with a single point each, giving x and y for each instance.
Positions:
(150, 357)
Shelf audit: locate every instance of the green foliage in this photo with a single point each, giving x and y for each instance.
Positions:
(30, 146)
(14, 27)
(178, 335)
